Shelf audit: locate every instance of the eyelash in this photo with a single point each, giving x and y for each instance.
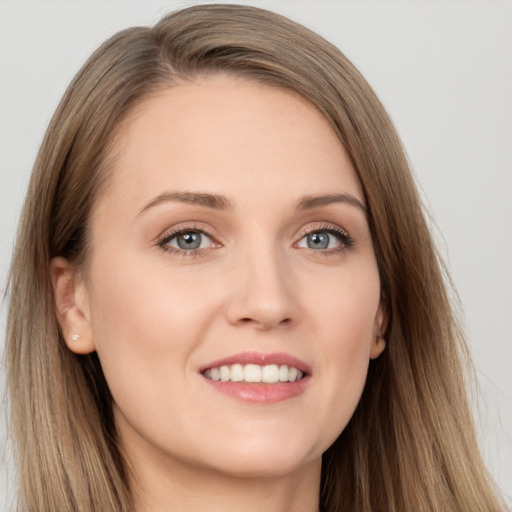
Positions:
(162, 242)
(346, 241)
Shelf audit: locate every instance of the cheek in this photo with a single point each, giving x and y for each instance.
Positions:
(148, 306)
(346, 310)
(344, 322)
(146, 324)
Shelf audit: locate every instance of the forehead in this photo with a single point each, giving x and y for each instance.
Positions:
(224, 134)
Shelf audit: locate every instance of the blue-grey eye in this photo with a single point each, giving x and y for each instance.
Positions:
(190, 240)
(320, 240)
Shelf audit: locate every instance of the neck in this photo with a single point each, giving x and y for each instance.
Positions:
(185, 487)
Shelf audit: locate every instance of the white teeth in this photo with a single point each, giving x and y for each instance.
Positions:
(269, 374)
(252, 373)
(237, 373)
(225, 374)
(283, 373)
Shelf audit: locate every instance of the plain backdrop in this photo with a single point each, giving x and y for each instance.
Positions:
(442, 69)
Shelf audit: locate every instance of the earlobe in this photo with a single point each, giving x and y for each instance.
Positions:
(71, 307)
(381, 321)
(378, 346)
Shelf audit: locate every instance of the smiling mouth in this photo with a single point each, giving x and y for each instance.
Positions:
(254, 373)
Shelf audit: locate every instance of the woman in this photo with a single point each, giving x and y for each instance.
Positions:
(224, 293)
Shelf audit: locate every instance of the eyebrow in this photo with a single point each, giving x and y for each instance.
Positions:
(219, 202)
(214, 201)
(308, 202)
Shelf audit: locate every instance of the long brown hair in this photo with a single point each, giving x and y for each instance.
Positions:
(410, 445)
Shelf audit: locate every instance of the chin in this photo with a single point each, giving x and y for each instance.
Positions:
(265, 456)
(261, 466)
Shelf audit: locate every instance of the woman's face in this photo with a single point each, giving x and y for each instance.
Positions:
(231, 243)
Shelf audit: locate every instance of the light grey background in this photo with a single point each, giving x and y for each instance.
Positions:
(443, 70)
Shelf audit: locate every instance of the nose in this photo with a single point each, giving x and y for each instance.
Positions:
(262, 292)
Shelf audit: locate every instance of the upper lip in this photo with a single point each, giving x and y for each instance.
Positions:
(260, 359)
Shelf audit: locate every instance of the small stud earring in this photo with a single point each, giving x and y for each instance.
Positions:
(75, 337)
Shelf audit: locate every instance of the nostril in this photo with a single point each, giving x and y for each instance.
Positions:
(249, 320)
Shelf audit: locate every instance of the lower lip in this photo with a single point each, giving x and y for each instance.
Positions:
(260, 393)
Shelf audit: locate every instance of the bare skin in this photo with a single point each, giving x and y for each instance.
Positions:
(234, 223)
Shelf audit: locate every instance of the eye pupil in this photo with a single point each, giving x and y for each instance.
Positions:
(318, 240)
(190, 240)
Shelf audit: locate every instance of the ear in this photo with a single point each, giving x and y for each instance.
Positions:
(72, 307)
(379, 327)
